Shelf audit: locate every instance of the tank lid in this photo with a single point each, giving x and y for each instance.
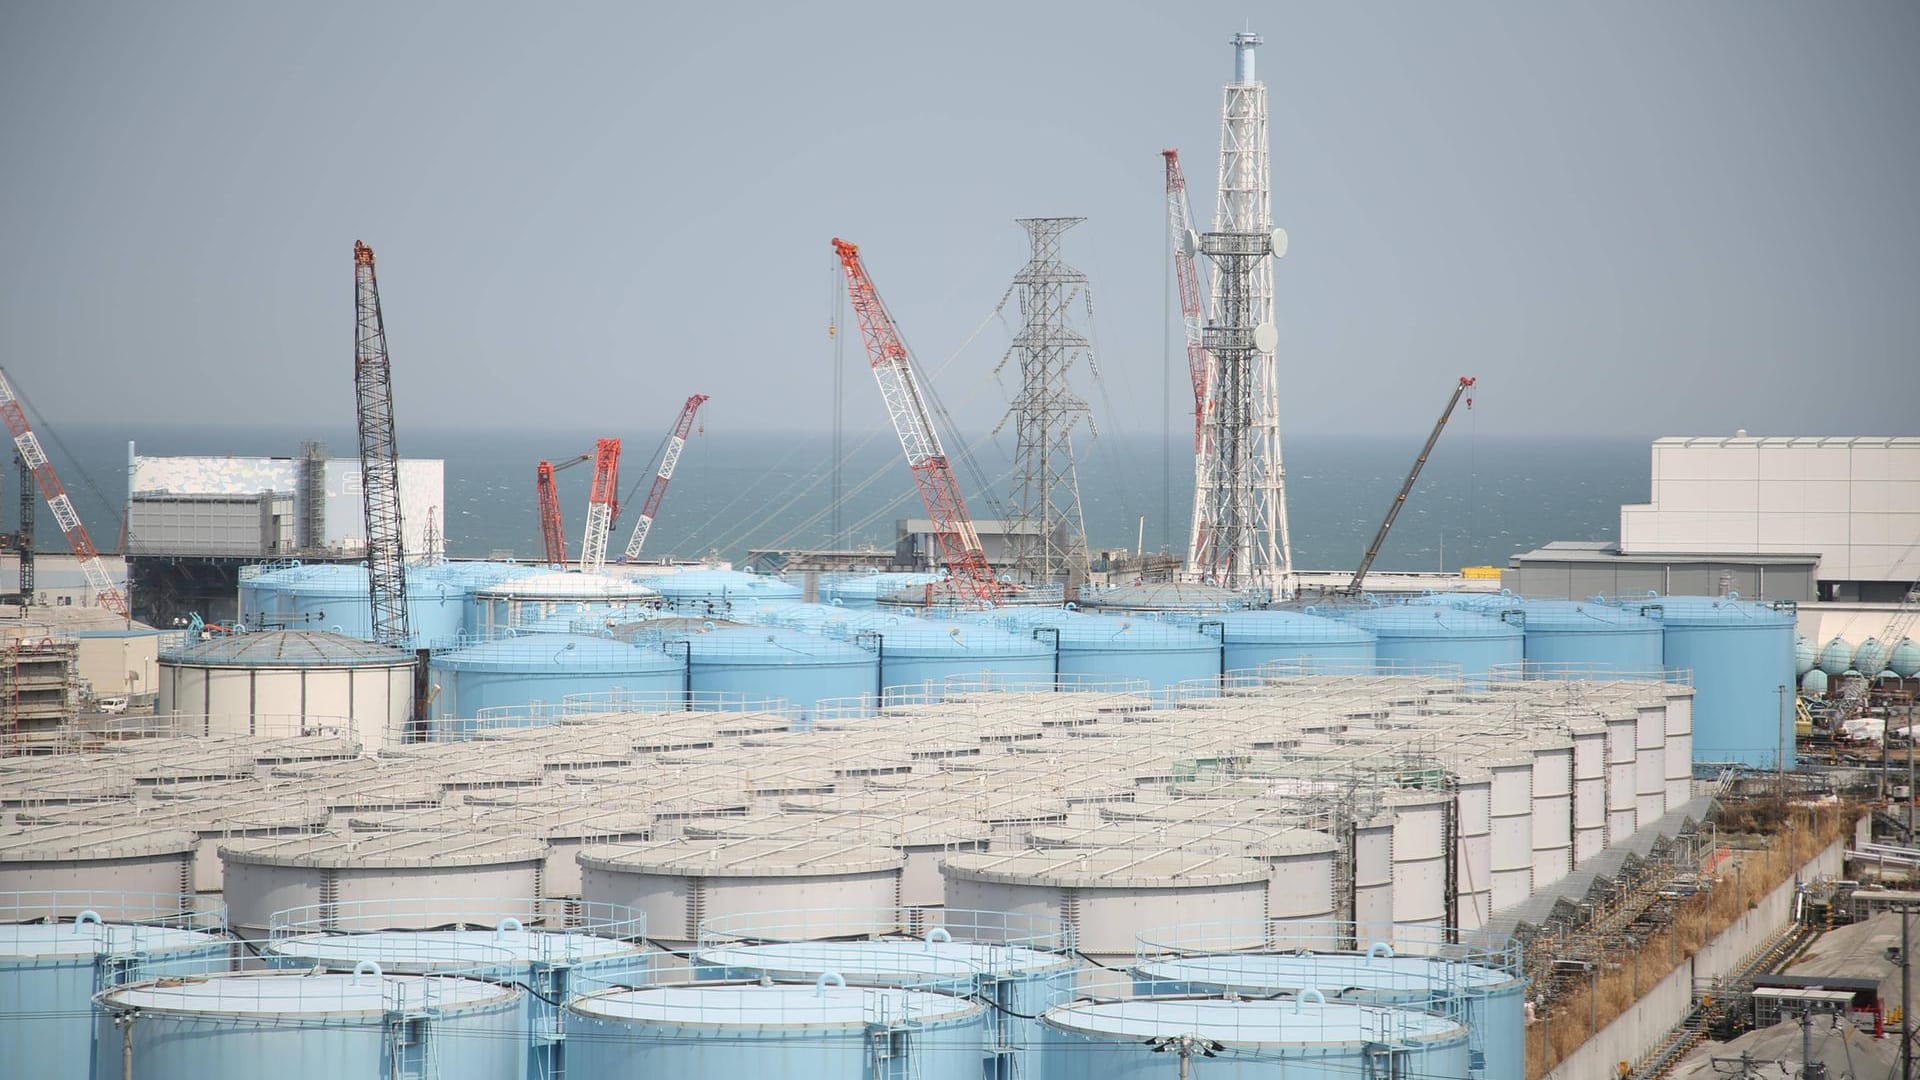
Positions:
(1268, 973)
(418, 951)
(287, 648)
(904, 830)
(555, 585)
(388, 849)
(1243, 1023)
(39, 939)
(725, 1005)
(742, 858)
(1079, 868)
(892, 962)
(545, 653)
(90, 843)
(300, 993)
(1256, 840)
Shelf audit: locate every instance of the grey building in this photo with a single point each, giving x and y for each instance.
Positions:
(1577, 569)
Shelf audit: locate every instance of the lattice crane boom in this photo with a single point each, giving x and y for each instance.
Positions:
(379, 457)
(603, 502)
(1460, 389)
(1180, 234)
(669, 458)
(553, 534)
(953, 530)
(35, 459)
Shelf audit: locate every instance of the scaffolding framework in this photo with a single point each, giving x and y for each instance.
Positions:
(1050, 529)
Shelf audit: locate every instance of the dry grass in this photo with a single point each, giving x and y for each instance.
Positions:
(1796, 833)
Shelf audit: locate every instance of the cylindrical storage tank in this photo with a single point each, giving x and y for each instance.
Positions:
(1479, 986)
(1372, 863)
(1424, 634)
(1093, 648)
(1103, 899)
(1679, 745)
(335, 596)
(467, 873)
(557, 949)
(678, 883)
(1623, 800)
(1473, 864)
(1552, 809)
(300, 1026)
(923, 841)
(770, 664)
(1589, 639)
(1804, 655)
(1835, 657)
(1293, 639)
(862, 591)
(212, 822)
(1512, 821)
(1741, 656)
(543, 669)
(290, 682)
(722, 593)
(1305, 1038)
(1814, 683)
(510, 604)
(828, 1031)
(1419, 857)
(1589, 789)
(49, 971)
(923, 655)
(1650, 763)
(1167, 597)
(63, 864)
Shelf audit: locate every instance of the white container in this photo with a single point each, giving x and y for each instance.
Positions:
(1552, 810)
(1420, 857)
(1623, 800)
(1512, 829)
(1589, 789)
(1650, 763)
(1679, 747)
(1473, 863)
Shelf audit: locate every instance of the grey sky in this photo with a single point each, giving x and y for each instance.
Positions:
(1644, 217)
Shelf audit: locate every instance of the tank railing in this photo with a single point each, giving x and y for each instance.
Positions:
(1312, 1014)
(245, 984)
(178, 911)
(680, 991)
(1041, 933)
(1328, 937)
(588, 917)
(107, 732)
(1573, 671)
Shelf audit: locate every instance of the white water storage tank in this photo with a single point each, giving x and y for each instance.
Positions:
(1589, 789)
(1552, 809)
(924, 841)
(49, 971)
(1512, 828)
(828, 1031)
(1103, 899)
(297, 1026)
(1650, 763)
(465, 871)
(63, 863)
(1373, 877)
(678, 883)
(1623, 727)
(1473, 865)
(1419, 858)
(290, 682)
(1304, 1038)
(1679, 746)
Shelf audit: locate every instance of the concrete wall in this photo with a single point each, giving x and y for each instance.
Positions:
(1640, 1028)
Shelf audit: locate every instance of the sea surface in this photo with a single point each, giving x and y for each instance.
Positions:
(1479, 500)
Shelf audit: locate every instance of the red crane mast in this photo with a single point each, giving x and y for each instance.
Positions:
(603, 503)
(553, 536)
(960, 549)
(676, 442)
(1179, 233)
(57, 501)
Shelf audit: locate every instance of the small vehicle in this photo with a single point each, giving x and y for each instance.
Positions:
(112, 706)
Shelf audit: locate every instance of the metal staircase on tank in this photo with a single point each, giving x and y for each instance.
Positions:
(409, 1047)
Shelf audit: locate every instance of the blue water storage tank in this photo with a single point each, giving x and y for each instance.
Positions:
(1310, 642)
(1869, 658)
(49, 972)
(322, 596)
(924, 654)
(1569, 637)
(865, 590)
(1905, 660)
(1814, 683)
(508, 605)
(1431, 634)
(1803, 656)
(722, 593)
(1836, 656)
(1097, 648)
(828, 1031)
(1740, 654)
(1306, 1038)
(300, 1026)
(767, 664)
(545, 668)
(601, 947)
(1170, 597)
(1490, 1000)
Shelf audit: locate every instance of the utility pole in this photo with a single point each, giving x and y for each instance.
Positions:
(1810, 1069)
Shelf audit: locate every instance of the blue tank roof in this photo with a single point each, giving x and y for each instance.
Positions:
(772, 645)
(722, 584)
(1425, 621)
(1729, 611)
(1079, 630)
(867, 588)
(560, 652)
(1278, 626)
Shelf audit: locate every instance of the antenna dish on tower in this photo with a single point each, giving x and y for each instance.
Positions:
(1279, 243)
(1265, 337)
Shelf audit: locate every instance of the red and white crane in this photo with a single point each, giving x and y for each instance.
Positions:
(670, 457)
(379, 456)
(1182, 237)
(553, 535)
(603, 502)
(966, 560)
(57, 501)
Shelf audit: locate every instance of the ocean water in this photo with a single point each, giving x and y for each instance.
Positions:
(1479, 500)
